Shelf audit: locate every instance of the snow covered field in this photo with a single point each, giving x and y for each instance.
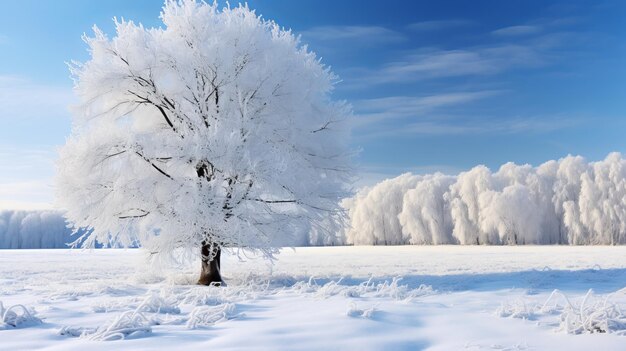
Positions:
(331, 298)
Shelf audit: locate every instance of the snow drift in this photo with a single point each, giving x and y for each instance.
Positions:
(33, 230)
(567, 201)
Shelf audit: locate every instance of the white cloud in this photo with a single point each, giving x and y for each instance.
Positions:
(371, 111)
(423, 102)
(444, 115)
(461, 125)
(434, 63)
(368, 35)
(517, 31)
(430, 63)
(427, 26)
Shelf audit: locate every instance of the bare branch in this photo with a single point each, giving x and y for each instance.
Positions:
(274, 201)
(128, 216)
(153, 165)
(324, 127)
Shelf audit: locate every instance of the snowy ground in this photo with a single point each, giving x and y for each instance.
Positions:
(332, 298)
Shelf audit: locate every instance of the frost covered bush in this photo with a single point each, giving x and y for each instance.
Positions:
(33, 230)
(567, 201)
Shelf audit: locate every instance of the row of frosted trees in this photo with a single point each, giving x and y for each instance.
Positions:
(569, 201)
(33, 230)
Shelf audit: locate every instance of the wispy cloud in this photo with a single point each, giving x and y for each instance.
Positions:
(506, 126)
(435, 63)
(410, 104)
(462, 125)
(428, 26)
(21, 98)
(362, 35)
(517, 31)
(387, 109)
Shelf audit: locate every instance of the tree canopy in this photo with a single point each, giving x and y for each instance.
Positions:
(218, 127)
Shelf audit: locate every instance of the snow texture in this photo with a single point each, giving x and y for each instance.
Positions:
(567, 201)
(407, 298)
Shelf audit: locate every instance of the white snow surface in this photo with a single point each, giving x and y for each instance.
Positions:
(320, 298)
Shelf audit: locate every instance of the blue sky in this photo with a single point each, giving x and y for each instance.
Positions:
(435, 86)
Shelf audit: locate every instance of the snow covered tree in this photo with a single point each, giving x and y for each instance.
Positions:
(374, 212)
(215, 131)
(425, 216)
(565, 201)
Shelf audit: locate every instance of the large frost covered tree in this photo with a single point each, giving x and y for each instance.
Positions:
(215, 131)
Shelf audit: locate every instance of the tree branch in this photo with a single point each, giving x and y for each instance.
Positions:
(145, 100)
(153, 165)
(145, 213)
(325, 126)
(274, 201)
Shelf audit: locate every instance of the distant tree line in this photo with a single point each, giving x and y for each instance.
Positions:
(566, 201)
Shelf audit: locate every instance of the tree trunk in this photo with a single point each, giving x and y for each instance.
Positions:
(210, 273)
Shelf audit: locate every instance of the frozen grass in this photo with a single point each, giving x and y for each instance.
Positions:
(158, 304)
(587, 314)
(518, 309)
(593, 314)
(206, 316)
(355, 311)
(127, 325)
(17, 316)
(370, 289)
